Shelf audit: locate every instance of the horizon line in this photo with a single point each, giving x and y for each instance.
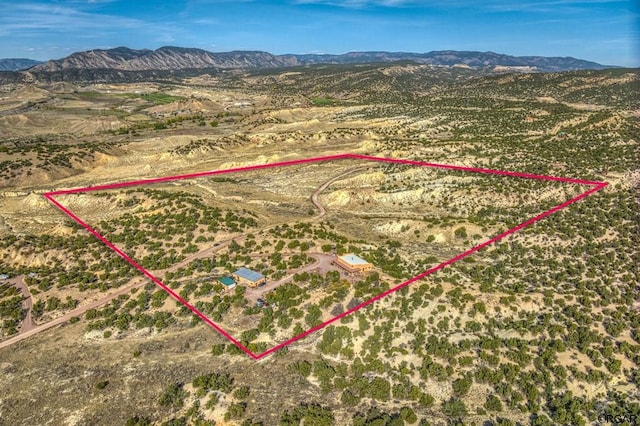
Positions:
(106, 48)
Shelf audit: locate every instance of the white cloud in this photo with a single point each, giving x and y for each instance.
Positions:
(359, 3)
(25, 19)
(489, 5)
(165, 38)
(542, 6)
(206, 21)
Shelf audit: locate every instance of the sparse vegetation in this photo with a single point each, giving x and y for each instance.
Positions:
(541, 327)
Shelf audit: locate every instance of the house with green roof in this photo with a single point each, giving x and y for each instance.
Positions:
(227, 282)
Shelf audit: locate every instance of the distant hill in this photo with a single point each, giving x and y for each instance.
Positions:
(17, 64)
(461, 58)
(179, 58)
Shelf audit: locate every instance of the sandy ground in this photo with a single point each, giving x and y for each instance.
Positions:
(29, 329)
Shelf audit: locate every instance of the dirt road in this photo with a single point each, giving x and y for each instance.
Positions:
(314, 197)
(136, 282)
(323, 262)
(199, 255)
(29, 328)
(27, 304)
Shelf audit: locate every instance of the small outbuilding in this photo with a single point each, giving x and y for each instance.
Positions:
(248, 277)
(352, 263)
(227, 282)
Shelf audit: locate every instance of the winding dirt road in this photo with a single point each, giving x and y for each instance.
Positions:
(29, 328)
(27, 304)
(82, 309)
(314, 197)
(136, 282)
(323, 262)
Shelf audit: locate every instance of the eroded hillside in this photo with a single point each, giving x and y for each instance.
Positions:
(542, 327)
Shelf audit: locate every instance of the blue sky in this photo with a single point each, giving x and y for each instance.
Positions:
(605, 31)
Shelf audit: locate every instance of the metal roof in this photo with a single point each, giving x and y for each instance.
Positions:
(249, 275)
(352, 259)
(228, 281)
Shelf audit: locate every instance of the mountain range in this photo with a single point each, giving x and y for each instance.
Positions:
(179, 58)
(17, 64)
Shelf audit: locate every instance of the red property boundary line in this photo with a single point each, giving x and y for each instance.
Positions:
(595, 186)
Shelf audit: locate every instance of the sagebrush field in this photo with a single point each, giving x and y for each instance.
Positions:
(542, 327)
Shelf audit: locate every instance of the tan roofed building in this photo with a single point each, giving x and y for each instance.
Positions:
(248, 277)
(352, 263)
